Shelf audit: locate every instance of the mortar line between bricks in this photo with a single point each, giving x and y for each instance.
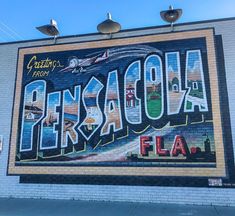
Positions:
(217, 212)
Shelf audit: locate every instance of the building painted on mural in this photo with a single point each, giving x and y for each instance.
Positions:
(146, 115)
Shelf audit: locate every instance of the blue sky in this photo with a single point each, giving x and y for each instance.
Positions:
(18, 18)
(172, 62)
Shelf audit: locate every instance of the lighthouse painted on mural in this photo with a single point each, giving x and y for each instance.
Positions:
(130, 96)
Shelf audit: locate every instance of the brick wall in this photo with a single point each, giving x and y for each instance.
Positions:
(10, 186)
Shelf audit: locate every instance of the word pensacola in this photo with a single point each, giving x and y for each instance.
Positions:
(139, 92)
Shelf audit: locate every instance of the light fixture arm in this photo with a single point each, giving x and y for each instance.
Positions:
(171, 16)
(55, 39)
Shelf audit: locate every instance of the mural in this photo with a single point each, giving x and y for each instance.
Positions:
(142, 105)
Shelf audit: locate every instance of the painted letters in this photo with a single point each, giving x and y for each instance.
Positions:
(153, 80)
(33, 111)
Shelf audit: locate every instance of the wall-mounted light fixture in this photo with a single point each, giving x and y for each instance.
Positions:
(50, 29)
(171, 16)
(109, 26)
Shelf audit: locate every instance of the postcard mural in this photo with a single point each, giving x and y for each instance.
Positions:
(133, 106)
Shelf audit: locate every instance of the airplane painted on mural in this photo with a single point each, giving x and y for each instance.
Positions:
(77, 65)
